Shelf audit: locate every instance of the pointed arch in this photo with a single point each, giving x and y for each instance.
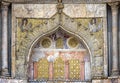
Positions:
(53, 30)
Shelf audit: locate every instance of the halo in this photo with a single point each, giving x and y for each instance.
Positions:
(72, 42)
(46, 42)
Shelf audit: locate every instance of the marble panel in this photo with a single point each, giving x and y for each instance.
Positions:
(85, 10)
(48, 10)
(75, 10)
(96, 81)
(34, 10)
(12, 81)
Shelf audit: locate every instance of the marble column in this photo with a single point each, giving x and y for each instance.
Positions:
(67, 70)
(114, 8)
(35, 70)
(4, 8)
(50, 71)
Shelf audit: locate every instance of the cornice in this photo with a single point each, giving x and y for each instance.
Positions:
(55, 1)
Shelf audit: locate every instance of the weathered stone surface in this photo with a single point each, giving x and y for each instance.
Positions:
(85, 10)
(64, 1)
(48, 10)
(12, 81)
(34, 10)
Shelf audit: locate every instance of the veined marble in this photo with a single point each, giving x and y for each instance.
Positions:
(34, 10)
(48, 10)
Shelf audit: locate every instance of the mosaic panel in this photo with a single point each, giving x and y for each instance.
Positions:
(59, 69)
(74, 69)
(91, 29)
(43, 71)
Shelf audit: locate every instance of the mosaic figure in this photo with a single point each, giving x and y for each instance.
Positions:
(25, 26)
(94, 26)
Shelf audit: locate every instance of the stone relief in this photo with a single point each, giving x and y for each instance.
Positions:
(40, 10)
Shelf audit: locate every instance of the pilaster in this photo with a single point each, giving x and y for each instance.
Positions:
(114, 8)
(4, 7)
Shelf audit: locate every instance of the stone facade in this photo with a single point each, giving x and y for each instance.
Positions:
(31, 22)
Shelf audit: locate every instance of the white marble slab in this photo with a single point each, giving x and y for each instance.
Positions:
(34, 10)
(85, 10)
(48, 10)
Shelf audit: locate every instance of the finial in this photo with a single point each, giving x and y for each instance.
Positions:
(60, 1)
(60, 6)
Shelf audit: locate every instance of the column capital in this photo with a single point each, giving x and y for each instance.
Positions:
(4, 5)
(114, 5)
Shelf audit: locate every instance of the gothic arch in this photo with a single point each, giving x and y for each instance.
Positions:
(51, 31)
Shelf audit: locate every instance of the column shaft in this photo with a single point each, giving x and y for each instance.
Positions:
(4, 39)
(114, 8)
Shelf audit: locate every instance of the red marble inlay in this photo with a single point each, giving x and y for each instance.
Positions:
(50, 71)
(35, 70)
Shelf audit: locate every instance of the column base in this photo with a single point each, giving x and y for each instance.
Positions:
(5, 73)
(115, 73)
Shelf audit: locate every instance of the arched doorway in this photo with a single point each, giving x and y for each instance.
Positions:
(59, 56)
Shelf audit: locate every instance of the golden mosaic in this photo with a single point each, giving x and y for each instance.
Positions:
(72, 42)
(59, 69)
(74, 69)
(43, 69)
(90, 30)
(46, 42)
